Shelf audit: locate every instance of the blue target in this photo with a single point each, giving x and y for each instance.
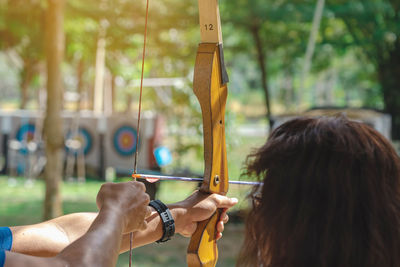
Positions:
(26, 132)
(125, 140)
(84, 137)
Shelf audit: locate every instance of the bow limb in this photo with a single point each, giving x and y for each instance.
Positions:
(210, 87)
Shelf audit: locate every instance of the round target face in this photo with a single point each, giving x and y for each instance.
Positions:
(83, 137)
(26, 132)
(125, 140)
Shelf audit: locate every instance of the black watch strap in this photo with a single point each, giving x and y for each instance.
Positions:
(166, 217)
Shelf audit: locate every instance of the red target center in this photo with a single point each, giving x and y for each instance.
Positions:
(29, 136)
(127, 141)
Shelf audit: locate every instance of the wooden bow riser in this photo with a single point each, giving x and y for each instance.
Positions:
(209, 85)
(212, 94)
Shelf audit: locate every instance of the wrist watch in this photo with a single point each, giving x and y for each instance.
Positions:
(167, 220)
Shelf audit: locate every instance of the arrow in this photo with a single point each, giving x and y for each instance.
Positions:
(154, 178)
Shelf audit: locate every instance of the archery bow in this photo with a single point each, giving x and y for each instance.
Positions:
(210, 87)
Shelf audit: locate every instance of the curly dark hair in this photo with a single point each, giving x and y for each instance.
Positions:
(330, 197)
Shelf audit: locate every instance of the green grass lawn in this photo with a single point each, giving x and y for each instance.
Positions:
(21, 203)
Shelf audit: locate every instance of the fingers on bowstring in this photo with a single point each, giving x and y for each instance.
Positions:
(148, 212)
(143, 226)
(139, 184)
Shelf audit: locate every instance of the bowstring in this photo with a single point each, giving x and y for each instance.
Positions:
(138, 121)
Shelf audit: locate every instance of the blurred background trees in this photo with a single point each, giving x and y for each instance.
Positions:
(354, 64)
(373, 27)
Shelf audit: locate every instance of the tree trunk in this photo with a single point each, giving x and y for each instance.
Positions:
(262, 62)
(113, 93)
(79, 87)
(389, 78)
(26, 79)
(53, 128)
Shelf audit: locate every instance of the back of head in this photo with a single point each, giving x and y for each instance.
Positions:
(330, 197)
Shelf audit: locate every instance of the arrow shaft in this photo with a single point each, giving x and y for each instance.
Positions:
(187, 179)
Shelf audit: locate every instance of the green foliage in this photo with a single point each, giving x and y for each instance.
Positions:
(173, 33)
(354, 40)
(21, 31)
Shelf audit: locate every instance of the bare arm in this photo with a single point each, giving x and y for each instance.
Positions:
(103, 235)
(123, 208)
(47, 239)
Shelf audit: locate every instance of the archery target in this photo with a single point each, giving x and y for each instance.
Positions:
(84, 137)
(125, 140)
(87, 134)
(112, 144)
(121, 142)
(26, 132)
(22, 125)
